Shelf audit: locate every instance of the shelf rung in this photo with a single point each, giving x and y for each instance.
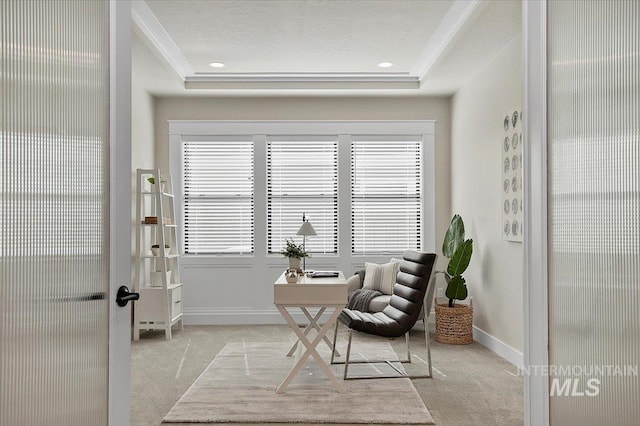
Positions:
(148, 286)
(166, 194)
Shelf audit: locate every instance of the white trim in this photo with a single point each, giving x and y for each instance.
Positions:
(429, 193)
(153, 30)
(460, 14)
(301, 127)
(535, 297)
(175, 169)
(498, 347)
(344, 205)
(260, 262)
(295, 81)
(290, 76)
(119, 160)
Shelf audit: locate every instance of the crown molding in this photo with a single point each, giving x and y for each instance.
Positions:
(318, 81)
(153, 30)
(460, 14)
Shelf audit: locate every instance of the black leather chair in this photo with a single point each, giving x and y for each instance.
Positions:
(409, 293)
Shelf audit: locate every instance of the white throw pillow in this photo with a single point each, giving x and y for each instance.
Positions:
(381, 277)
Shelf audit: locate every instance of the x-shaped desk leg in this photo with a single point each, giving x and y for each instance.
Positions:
(313, 323)
(311, 349)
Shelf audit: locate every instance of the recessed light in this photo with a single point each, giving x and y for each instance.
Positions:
(385, 64)
(216, 64)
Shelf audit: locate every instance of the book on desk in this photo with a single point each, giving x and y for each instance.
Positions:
(323, 274)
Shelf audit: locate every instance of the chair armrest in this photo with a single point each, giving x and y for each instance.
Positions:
(354, 283)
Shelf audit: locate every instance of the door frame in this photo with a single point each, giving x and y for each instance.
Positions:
(536, 319)
(119, 209)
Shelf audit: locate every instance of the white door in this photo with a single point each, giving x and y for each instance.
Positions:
(64, 212)
(120, 211)
(593, 99)
(582, 217)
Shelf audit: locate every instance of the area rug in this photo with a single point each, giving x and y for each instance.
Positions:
(239, 386)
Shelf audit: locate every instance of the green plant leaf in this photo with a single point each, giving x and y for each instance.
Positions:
(461, 258)
(454, 236)
(294, 250)
(151, 180)
(457, 288)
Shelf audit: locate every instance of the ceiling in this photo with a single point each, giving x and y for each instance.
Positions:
(316, 47)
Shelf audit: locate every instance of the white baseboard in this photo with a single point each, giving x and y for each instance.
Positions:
(235, 316)
(498, 347)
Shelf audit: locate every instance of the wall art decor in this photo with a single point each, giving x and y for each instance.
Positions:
(512, 226)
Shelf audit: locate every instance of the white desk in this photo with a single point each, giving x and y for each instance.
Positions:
(310, 292)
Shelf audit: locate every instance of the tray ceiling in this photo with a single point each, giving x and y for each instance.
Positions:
(309, 45)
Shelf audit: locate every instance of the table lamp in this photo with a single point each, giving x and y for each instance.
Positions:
(306, 230)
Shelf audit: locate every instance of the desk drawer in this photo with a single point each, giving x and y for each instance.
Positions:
(310, 294)
(176, 301)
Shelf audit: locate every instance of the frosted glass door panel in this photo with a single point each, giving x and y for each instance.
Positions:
(594, 199)
(53, 212)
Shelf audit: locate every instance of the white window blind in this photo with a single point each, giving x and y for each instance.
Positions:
(218, 197)
(302, 177)
(386, 195)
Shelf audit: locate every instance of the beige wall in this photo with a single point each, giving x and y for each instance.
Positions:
(142, 144)
(142, 129)
(495, 276)
(318, 108)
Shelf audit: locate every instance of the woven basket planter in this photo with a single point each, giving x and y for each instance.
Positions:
(454, 325)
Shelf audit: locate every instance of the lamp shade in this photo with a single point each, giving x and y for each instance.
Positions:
(306, 229)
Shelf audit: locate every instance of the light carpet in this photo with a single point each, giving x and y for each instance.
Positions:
(239, 386)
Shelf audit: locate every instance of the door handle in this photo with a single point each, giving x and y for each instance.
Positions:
(124, 296)
(83, 298)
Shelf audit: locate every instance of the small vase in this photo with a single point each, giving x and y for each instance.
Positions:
(294, 263)
(292, 276)
(156, 251)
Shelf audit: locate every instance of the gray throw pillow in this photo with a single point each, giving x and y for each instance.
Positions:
(381, 277)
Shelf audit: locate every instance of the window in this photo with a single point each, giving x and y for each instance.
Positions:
(366, 186)
(218, 197)
(302, 177)
(386, 195)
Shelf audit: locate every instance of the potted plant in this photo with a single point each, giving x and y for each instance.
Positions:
(454, 322)
(155, 249)
(295, 253)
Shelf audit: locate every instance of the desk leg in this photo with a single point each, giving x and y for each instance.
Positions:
(311, 349)
(312, 324)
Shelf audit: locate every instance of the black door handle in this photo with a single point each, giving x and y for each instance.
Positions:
(123, 297)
